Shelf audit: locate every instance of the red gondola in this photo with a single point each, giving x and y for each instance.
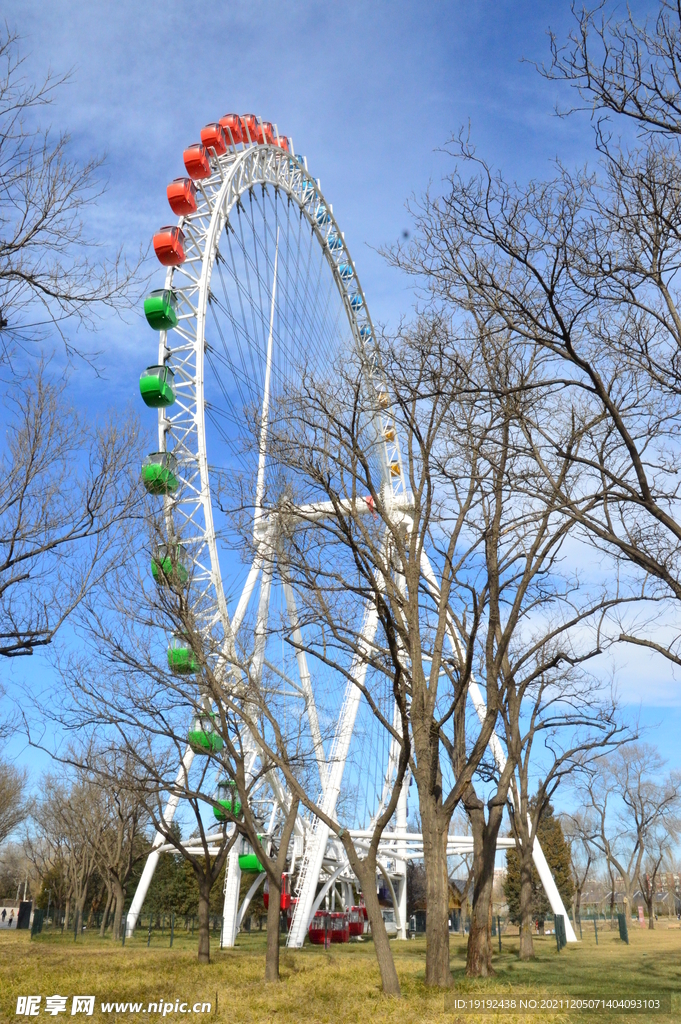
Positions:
(182, 196)
(317, 928)
(356, 922)
(250, 123)
(283, 143)
(340, 927)
(213, 137)
(196, 161)
(284, 892)
(290, 912)
(169, 246)
(267, 133)
(233, 123)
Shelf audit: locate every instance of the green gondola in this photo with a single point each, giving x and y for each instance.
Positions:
(157, 387)
(248, 861)
(160, 309)
(159, 473)
(167, 565)
(181, 658)
(202, 737)
(228, 799)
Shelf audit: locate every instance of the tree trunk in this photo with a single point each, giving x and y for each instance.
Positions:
(437, 898)
(366, 872)
(479, 953)
(273, 916)
(80, 910)
(204, 921)
(650, 907)
(526, 940)
(105, 915)
(67, 912)
(120, 900)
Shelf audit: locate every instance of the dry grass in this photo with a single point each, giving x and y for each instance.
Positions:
(338, 986)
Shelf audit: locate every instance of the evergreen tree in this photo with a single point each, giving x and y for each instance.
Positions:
(512, 885)
(557, 853)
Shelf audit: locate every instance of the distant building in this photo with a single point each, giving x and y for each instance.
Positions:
(457, 899)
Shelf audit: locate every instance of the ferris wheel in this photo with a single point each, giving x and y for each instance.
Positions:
(260, 287)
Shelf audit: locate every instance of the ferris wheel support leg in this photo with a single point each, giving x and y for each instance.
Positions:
(230, 910)
(230, 906)
(306, 682)
(543, 870)
(312, 861)
(159, 840)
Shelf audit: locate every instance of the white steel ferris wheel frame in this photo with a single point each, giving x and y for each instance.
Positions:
(181, 427)
(183, 424)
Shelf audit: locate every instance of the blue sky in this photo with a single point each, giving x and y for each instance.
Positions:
(368, 91)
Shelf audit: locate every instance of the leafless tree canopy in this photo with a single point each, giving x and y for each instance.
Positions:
(50, 268)
(622, 65)
(499, 607)
(66, 485)
(14, 808)
(630, 813)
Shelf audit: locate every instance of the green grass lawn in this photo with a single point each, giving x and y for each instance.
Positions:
(335, 986)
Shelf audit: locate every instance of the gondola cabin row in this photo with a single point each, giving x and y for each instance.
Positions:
(336, 925)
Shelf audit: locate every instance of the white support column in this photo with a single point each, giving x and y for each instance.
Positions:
(306, 683)
(230, 907)
(249, 896)
(314, 855)
(230, 910)
(246, 593)
(159, 840)
(478, 702)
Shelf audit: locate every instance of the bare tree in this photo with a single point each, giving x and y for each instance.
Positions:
(14, 808)
(474, 504)
(121, 691)
(137, 707)
(122, 841)
(50, 268)
(256, 712)
(585, 265)
(577, 831)
(68, 820)
(624, 67)
(631, 806)
(63, 482)
(137, 715)
(371, 551)
(556, 722)
(65, 487)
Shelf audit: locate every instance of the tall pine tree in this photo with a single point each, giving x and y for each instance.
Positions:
(557, 853)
